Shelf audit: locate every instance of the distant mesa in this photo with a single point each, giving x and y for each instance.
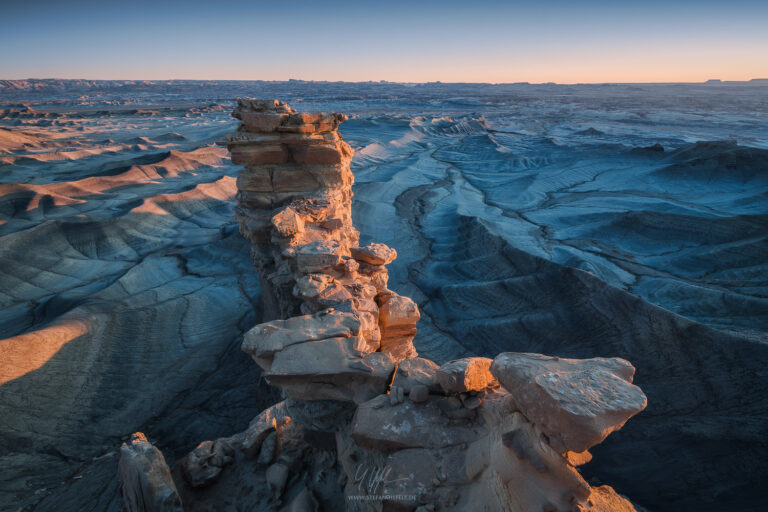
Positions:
(723, 161)
(590, 131)
(171, 137)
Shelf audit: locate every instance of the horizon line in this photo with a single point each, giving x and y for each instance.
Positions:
(433, 82)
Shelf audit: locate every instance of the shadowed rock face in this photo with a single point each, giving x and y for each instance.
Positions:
(450, 438)
(146, 481)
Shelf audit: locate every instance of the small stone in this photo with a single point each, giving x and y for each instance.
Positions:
(374, 254)
(468, 374)
(578, 459)
(351, 266)
(287, 222)
(415, 371)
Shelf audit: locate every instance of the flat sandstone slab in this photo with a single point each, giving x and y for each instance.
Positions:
(264, 340)
(577, 403)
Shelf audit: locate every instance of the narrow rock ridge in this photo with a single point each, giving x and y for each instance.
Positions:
(366, 423)
(294, 204)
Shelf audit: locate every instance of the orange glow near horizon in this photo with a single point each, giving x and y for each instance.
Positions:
(594, 41)
(568, 68)
(577, 66)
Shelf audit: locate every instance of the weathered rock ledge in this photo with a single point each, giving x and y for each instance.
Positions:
(366, 423)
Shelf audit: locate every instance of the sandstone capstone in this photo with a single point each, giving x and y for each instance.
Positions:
(576, 402)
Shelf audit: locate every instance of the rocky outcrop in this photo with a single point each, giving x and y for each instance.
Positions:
(575, 402)
(146, 483)
(366, 423)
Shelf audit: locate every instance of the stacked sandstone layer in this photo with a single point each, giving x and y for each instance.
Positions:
(398, 432)
(294, 206)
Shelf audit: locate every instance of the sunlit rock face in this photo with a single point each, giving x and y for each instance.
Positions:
(491, 195)
(294, 206)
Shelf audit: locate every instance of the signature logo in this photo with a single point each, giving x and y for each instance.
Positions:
(371, 479)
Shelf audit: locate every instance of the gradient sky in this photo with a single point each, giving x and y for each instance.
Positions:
(408, 41)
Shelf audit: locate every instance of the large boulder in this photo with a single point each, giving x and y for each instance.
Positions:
(265, 340)
(332, 369)
(416, 371)
(398, 316)
(576, 403)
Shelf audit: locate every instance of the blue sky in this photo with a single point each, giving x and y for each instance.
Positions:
(480, 41)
